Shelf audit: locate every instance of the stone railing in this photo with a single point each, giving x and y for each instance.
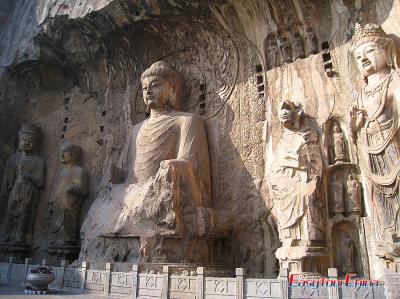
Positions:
(164, 284)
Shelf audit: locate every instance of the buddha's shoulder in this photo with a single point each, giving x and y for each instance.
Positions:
(187, 117)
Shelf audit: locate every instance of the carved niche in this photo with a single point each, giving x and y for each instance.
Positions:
(346, 249)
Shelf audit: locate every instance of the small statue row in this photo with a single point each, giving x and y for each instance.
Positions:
(23, 178)
(284, 50)
(346, 198)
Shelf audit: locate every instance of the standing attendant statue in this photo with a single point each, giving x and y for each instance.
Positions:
(71, 189)
(296, 189)
(375, 128)
(23, 177)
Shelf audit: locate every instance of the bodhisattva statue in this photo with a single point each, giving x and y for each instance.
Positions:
(375, 127)
(66, 201)
(23, 177)
(295, 182)
(160, 188)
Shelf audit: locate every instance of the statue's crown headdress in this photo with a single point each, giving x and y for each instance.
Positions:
(367, 32)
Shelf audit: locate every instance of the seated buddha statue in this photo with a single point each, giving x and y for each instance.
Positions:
(160, 188)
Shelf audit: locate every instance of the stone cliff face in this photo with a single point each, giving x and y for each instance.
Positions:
(73, 68)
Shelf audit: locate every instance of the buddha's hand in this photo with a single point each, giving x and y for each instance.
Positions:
(25, 177)
(174, 162)
(72, 188)
(167, 167)
(356, 119)
(51, 209)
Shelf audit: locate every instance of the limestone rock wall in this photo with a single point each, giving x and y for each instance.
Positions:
(73, 68)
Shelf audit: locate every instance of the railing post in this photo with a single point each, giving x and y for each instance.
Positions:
(200, 282)
(107, 282)
(85, 267)
(27, 262)
(283, 277)
(64, 264)
(135, 281)
(10, 263)
(239, 283)
(165, 292)
(333, 291)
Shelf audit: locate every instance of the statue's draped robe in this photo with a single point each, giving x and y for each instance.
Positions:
(378, 147)
(152, 200)
(67, 205)
(297, 205)
(22, 194)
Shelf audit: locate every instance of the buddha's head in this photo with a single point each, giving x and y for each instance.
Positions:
(290, 114)
(336, 128)
(373, 49)
(69, 153)
(29, 138)
(162, 86)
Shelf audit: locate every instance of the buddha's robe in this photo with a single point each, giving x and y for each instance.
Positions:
(161, 184)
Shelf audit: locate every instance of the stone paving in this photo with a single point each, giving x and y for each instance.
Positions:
(17, 292)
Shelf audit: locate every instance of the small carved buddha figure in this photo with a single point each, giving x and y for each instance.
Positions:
(337, 195)
(272, 53)
(286, 50)
(347, 254)
(374, 121)
(298, 46)
(339, 144)
(67, 198)
(311, 42)
(23, 176)
(161, 185)
(353, 203)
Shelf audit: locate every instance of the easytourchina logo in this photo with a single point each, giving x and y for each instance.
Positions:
(350, 280)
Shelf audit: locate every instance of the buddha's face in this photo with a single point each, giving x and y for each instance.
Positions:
(370, 58)
(287, 117)
(336, 128)
(26, 142)
(66, 155)
(156, 91)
